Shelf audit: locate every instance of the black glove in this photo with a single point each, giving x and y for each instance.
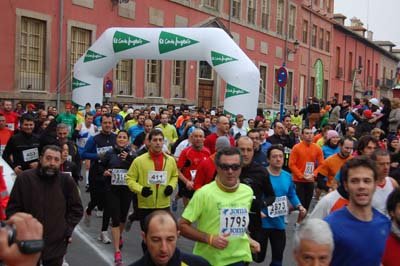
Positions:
(146, 191)
(168, 190)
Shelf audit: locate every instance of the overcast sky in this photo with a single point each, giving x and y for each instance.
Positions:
(381, 17)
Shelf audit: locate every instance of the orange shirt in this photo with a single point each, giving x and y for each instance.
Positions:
(5, 135)
(305, 158)
(331, 166)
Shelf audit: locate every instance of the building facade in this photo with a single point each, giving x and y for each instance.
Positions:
(43, 39)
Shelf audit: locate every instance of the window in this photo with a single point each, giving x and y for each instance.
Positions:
(123, 77)
(80, 42)
(211, 4)
(263, 84)
(316, 2)
(280, 17)
(305, 32)
(328, 6)
(314, 36)
(292, 22)
(153, 78)
(321, 39)
(178, 79)
(265, 14)
(321, 4)
(205, 71)
(350, 70)
(288, 90)
(251, 12)
(327, 41)
(32, 54)
(339, 70)
(236, 8)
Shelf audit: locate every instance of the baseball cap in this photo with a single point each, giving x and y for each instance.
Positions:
(374, 101)
(212, 112)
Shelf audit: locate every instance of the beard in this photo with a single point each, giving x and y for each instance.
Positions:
(48, 173)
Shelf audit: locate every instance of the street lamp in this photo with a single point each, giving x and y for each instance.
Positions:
(356, 71)
(296, 45)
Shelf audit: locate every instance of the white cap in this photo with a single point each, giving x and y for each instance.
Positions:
(129, 111)
(212, 112)
(374, 101)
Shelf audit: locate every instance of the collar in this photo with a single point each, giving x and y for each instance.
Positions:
(225, 188)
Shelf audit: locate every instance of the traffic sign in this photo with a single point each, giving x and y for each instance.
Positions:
(108, 87)
(281, 77)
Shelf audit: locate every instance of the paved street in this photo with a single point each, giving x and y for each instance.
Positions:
(87, 250)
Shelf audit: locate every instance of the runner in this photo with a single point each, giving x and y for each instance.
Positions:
(391, 257)
(359, 231)
(305, 158)
(115, 165)
(222, 130)
(221, 212)
(273, 221)
(153, 177)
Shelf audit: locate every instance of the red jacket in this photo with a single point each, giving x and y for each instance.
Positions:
(205, 172)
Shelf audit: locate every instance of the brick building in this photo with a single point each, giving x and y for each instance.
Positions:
(43, 39)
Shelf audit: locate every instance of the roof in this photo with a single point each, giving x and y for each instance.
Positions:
(385, 43)
(339, 15)
(348, 31)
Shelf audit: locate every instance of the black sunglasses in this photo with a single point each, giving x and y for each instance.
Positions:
(226, 167)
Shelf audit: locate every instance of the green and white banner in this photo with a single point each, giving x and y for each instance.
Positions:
(202, 44)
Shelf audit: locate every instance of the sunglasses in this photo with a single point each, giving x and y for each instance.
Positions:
(226, 167)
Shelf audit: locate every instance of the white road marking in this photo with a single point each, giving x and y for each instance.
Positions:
(103, 254)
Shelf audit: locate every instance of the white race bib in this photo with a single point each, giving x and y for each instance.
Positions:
(278, 208)
(233, 221)
(118, 177)
(157, 177)
(309, 170)
(68, 173)
(10, 126)
(103, 150)
(193, 174)
(30, 154)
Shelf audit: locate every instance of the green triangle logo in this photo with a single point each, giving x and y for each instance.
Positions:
(233, 116)
(168, 42)
(123, 41)
(76, 83)
(218, 58)
(234, 91)
(91, 56)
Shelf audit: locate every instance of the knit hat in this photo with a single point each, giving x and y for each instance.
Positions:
(367, 114)
(222, 142)
(130, 111)
(331, 134)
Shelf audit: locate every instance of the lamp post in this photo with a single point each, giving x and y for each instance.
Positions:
(355, 72)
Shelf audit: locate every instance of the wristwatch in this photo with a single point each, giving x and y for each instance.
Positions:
(30, 246)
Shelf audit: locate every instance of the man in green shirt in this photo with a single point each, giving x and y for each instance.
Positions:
(67, 118)
(221, 211)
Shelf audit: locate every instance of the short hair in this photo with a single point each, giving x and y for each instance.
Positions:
(27, 117)
(123, 131)
(304, 128)
(377, 129)
(342, 140)
(360, 161)
(155, 132)
(315, 230)
(286, 116)
(254, 130)
(155, 214)
(243, 138)
(379, 152)
(275, 147)
(52, 148)
(220, 118)
(62, 125)
(392, 200)
(228, 151)
(88, 114)
(239, 116)
(107, 115)
(363, 142)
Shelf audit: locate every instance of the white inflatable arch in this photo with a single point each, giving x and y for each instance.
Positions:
(206, 44)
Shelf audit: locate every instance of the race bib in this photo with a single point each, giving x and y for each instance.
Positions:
(118, 177)
(309, 170)
(157, 177)
(30, 154)
(278, 208)
(193, 174)
(103, 150)
(68, 173)
(234, 221)
(10, 126)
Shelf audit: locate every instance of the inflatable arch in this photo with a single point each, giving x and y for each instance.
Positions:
(207, 44)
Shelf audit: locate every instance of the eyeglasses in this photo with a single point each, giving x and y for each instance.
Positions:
(226, 167)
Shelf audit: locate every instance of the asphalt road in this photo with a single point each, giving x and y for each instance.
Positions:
(87, 250)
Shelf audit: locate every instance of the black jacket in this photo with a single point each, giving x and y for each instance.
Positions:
(176, 260)
(55, 203)
(257, 177)
(19, 145)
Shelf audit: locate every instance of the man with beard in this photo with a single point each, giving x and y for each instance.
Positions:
(52, 198)
(22, 149)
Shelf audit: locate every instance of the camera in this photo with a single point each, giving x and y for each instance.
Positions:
(11, 232)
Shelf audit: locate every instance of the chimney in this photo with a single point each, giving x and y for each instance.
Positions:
(339, 18)
(370, 35)
(355, 22)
